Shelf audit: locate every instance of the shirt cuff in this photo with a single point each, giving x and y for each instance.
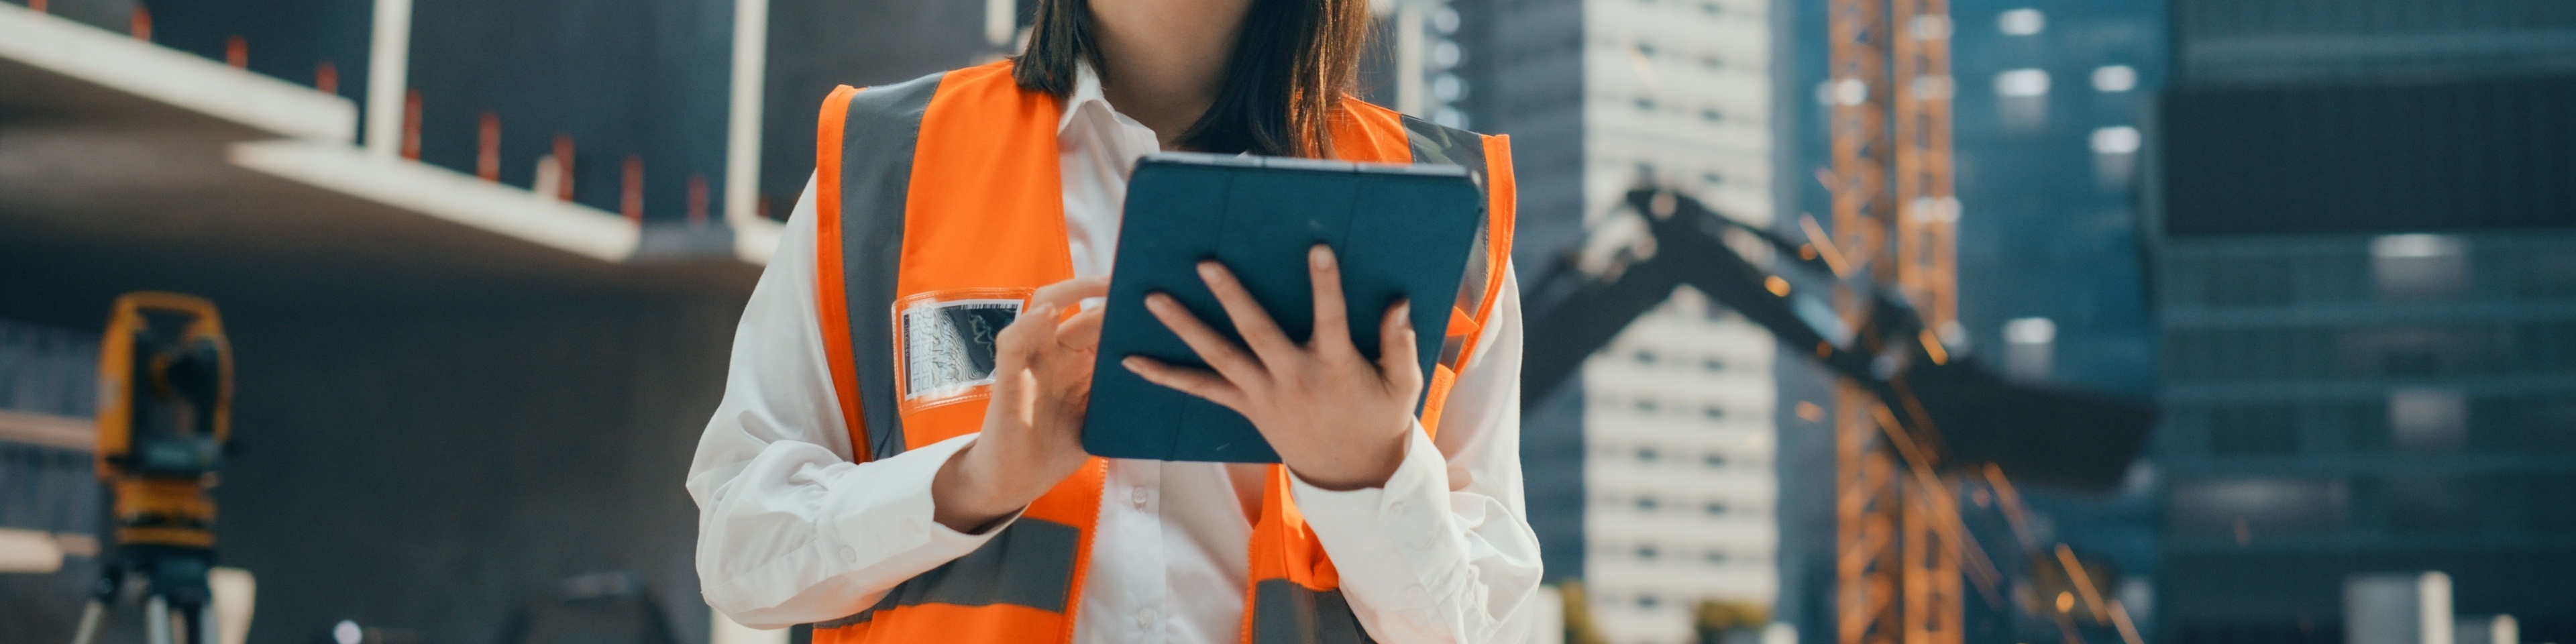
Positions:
(891, 522)
(1396, 545)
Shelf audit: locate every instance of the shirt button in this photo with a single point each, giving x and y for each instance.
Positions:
(849, 554)
(1144, 618)
(1395, 508)
(1138, 497)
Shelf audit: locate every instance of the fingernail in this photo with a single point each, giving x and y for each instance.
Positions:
(1207, 270)
(1132, 363)
(1321, 257)
(1155, 300)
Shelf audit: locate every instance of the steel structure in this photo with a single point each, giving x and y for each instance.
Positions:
(1912, 414)
(1924, 414)
(1898, 539)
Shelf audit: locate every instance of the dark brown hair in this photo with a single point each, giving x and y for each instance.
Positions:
(1292, 61)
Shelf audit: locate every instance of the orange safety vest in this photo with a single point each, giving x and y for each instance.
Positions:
(948, 215)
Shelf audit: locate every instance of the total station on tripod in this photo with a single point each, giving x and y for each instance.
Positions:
(164, 416)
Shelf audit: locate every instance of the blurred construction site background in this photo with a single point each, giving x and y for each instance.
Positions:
(480, 263)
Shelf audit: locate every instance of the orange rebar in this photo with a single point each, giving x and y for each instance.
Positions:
(631, 195)
(1932, 347)
(2120, 618)
(237, 52)
(2083, 580)
(2014, 513)
(1919, 460)
(1823, 245)
(139, 24)
(326, 77)
(411, 125)
(697, 200)
(487, 147)
(563, 167)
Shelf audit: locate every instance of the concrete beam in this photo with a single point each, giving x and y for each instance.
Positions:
(140, 72)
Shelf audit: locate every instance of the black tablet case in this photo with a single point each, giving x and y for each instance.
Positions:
(1399, 231)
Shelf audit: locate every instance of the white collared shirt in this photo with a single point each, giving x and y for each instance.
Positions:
(790, 531)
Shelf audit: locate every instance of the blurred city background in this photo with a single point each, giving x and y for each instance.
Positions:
(479, 262)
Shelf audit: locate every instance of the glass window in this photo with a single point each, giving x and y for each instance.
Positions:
(2249, 506)
(2425, 419)
(2419, 266)
(2021, 22)
(2253, 429)
(2115, 78)
(2022, 83)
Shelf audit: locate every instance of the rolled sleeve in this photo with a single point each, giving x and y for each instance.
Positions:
(1397, 546)
(789, 529)
(1428, 558)
(894, 515)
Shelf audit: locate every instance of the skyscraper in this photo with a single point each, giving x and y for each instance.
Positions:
(2366, 264)
(1676, 438)
(1678, 408)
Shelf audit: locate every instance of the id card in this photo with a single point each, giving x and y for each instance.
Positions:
(947, 341)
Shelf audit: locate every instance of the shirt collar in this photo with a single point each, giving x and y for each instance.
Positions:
(1086, 94)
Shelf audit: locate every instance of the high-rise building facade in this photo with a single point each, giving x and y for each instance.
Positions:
(1668, 428)
(2366, 261)
(1650, 471)
(1678, 420)
(1678, 408)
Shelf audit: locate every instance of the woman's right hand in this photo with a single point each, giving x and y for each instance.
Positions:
(1032, 435)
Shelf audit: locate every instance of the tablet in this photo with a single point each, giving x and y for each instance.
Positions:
(1400, 232)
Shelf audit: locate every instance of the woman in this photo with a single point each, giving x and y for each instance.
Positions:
(887, 467)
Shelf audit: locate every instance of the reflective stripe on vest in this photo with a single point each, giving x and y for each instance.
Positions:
(939, 209)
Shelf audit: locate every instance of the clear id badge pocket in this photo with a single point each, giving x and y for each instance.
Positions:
(945, 343)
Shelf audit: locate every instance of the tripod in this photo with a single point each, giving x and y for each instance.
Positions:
(173, 582)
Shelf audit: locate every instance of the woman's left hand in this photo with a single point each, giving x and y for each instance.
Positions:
(1336, 418)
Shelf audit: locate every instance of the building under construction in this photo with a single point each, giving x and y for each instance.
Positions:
(479, 263)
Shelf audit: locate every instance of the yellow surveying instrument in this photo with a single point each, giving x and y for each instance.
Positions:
(165, 388)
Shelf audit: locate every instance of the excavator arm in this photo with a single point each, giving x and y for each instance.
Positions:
(1660, 240)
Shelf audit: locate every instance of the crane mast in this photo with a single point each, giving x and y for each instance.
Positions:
(1897, 540)
(1913, 414)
